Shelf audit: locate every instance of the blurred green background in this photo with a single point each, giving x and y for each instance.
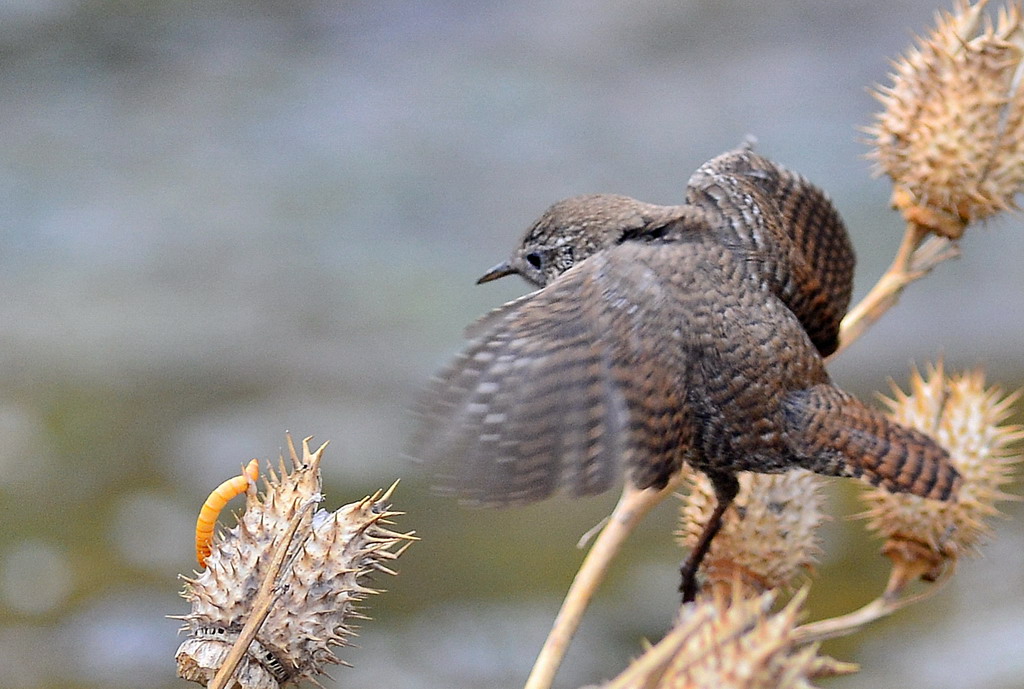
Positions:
(221, 221)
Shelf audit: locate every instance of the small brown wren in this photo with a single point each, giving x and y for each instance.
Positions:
(669, 334)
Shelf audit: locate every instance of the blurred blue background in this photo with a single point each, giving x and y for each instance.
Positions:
(221, 221)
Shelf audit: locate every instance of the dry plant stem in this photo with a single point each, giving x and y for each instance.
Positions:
(262, 603)
(883, 606)
(629, 511)
(915, 259)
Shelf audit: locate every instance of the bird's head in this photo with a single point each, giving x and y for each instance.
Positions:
(574, 229)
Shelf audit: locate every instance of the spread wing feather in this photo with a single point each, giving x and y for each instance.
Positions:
(789, 228)
(560, 390)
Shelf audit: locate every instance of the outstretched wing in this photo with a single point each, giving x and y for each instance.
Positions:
(789, 228)
(562, 390)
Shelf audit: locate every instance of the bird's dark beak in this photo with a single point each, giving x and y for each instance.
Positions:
(498, 271)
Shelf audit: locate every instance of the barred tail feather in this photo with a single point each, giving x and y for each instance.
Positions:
(834, 433)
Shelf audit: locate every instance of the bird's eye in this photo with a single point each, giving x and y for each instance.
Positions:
(533, 258)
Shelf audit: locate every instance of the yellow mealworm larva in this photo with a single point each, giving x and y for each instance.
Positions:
(215, 503)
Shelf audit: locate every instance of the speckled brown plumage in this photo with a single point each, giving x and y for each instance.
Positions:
(790, 227)
(663, 335)
(782, 226)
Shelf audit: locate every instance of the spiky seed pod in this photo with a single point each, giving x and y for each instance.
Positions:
(951, 133)
(967, 419)
(768, 537)
(742, 645)
(318, 589)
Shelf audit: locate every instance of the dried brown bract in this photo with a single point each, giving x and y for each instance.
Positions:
(951, 133)
(768, 538)
(966, 417)
(740, 644)
(317, 591)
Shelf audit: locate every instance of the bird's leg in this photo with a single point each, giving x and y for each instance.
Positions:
(726, 488)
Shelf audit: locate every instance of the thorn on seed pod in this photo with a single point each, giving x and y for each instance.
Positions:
(331, 559)
(951, 130)
(737, 642)
(965, 417)
(768, 538)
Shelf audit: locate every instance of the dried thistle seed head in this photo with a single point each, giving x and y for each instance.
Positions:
(951, 133)
(967, 419)
(741, 646)
(768, 537)
(319, 588)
